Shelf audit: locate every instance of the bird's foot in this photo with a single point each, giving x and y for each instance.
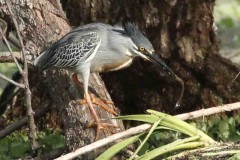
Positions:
(103, 103)
(89, 99)
(102, 126)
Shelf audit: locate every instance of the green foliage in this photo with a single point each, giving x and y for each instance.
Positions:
(187, 143)
(17, 145)
(227, 22)
(50, 141)
(168, 121)
(161, 122)
(7, 69)
(235, 157)
(154, 126)
(170, 137)
(221, 128)
(225, 9)
(108, 154)
(226, 16)
(14, 146)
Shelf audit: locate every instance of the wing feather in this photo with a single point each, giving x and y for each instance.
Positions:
(73, 49)
(80, 49)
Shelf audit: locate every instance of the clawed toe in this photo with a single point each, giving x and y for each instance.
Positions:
(102, 126)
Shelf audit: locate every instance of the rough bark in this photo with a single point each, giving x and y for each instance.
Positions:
(184, 34)
(42, 23)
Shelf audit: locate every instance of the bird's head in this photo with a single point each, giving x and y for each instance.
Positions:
(143, 47)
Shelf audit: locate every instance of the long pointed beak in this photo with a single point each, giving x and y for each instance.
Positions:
(154, 58)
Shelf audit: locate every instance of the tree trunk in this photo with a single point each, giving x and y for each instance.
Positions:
(184, 34)
(42, 23)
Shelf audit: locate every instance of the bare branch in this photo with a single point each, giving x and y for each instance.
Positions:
(144, 127)
(18, 124)
(209, 111)
(32, 127)
(13, 39)
(235, 77)
(3, 27)
(105, 141)
(6, 57)
(4, 103)
(10, 49)
(12, 81)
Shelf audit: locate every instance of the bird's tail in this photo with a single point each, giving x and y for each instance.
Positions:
(40, 61)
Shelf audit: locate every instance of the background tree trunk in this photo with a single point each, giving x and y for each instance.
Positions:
(182, 32)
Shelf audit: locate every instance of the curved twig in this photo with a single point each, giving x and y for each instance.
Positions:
(32, 127)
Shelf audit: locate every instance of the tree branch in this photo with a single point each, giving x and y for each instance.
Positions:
(18, 124)
(32, 127)
(6, 57)
(105, 141)
(209, 111)
(144, 127)
(12, 81)
(235, 77)
(10, 50)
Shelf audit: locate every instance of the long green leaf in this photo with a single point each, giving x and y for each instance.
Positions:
(177, 145)
(170, 122)
(112, 151)
(235, 157)
(178, 124)
(140, 117)
(146, 138)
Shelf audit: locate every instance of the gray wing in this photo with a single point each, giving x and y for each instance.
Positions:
(79, 50)
(73, 49)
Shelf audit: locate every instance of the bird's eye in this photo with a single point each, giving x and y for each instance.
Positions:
(141, 48)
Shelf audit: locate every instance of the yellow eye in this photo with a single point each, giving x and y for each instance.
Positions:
(141, 48)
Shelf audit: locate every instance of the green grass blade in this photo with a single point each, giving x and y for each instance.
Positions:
(235, 157)
(179, 145)
(140, 117)
(178, 124)
(170, 122)
(145, 139)
(112, 151)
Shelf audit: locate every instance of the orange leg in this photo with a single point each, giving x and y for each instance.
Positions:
(101, 103)
(89, 99)
(95, 116)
